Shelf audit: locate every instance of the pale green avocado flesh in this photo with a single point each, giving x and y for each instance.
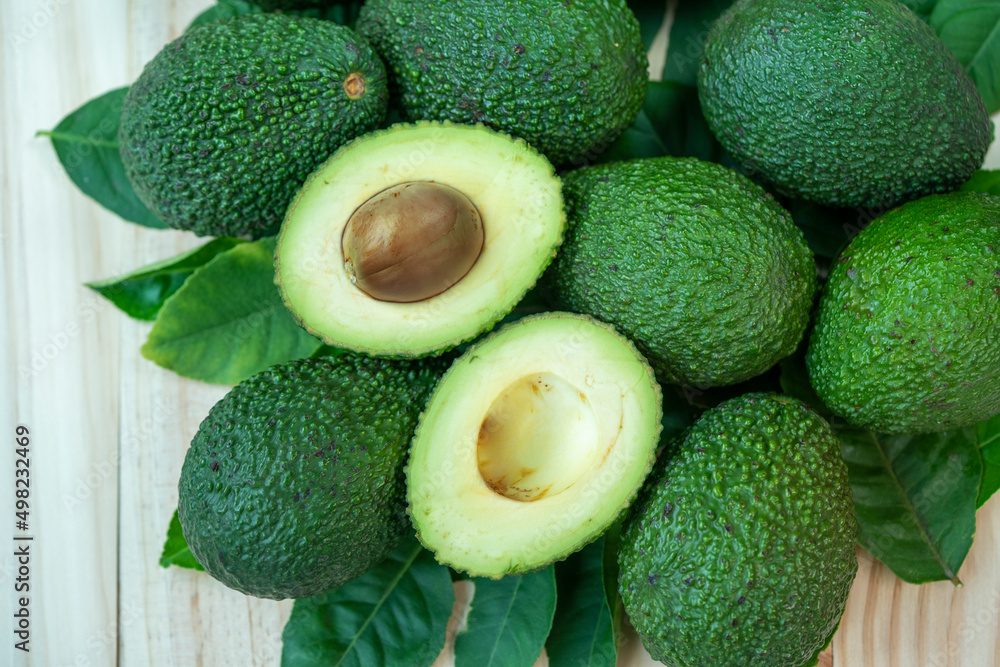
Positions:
(516, 196)
(534, 442)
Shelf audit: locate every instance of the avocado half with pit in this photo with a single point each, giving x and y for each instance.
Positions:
(414, 239)
(532, 444)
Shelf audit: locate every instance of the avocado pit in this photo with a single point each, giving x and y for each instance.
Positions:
(412, 241)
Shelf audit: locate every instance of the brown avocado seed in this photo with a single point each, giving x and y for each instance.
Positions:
(412, 241)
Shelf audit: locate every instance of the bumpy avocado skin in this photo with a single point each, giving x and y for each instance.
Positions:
(567, 77)
(295, 483)
(696, 264)
(851, 103)
(741, 549)
(907, 335)
(227, 121)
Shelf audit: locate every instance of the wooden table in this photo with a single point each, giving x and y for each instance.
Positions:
(109, 429)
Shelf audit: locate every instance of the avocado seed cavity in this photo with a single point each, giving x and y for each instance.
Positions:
(539, 437)
(412, 241)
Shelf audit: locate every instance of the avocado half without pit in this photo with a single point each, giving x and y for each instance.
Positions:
(532, 444)
(414, 239)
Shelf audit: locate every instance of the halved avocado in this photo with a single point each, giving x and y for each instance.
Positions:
(417, 238)
(532, 444)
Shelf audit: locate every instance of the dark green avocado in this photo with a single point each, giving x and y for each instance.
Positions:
(850, 103)
(567, 77)
(907, 335)
(294, 483)
(741, 551)
(695, 263)
(224, 125)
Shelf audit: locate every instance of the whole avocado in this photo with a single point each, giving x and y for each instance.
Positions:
(742, 549)
(695, 263)
(907, 335)
(294, 483)
(227, 121)
(850, 103)
(567, 77)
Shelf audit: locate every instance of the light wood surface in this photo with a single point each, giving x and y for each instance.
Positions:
(109, 429)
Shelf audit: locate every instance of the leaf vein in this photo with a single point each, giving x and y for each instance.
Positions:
(385, 595)
(77, 138)
(503, 622)
(994, 32)
(922, 530)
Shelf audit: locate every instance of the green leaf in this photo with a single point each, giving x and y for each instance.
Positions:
(141, 293)
(582, 633)
(971, 30)
(609, 568)
(984, 180)
(175, 549)
(687, 36)
(988, 437)
(396, 614)
(670, 123)
(915, 499)
(651, 15)
(638, 141)
(609, 574)
(227, 321)
(509, 621)
(86, 142)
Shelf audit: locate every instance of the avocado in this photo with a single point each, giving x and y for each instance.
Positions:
(741, 549)
(227, 121)
(907, 334)
(567, 77)
(696, 264)
(532, 444)
(855, 103)
(294, 483)
(414, 239)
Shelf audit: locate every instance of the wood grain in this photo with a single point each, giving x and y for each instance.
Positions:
(61, 343)
(109, 429)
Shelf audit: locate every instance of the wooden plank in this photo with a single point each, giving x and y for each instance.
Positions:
(892, 623)
(61, 348)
